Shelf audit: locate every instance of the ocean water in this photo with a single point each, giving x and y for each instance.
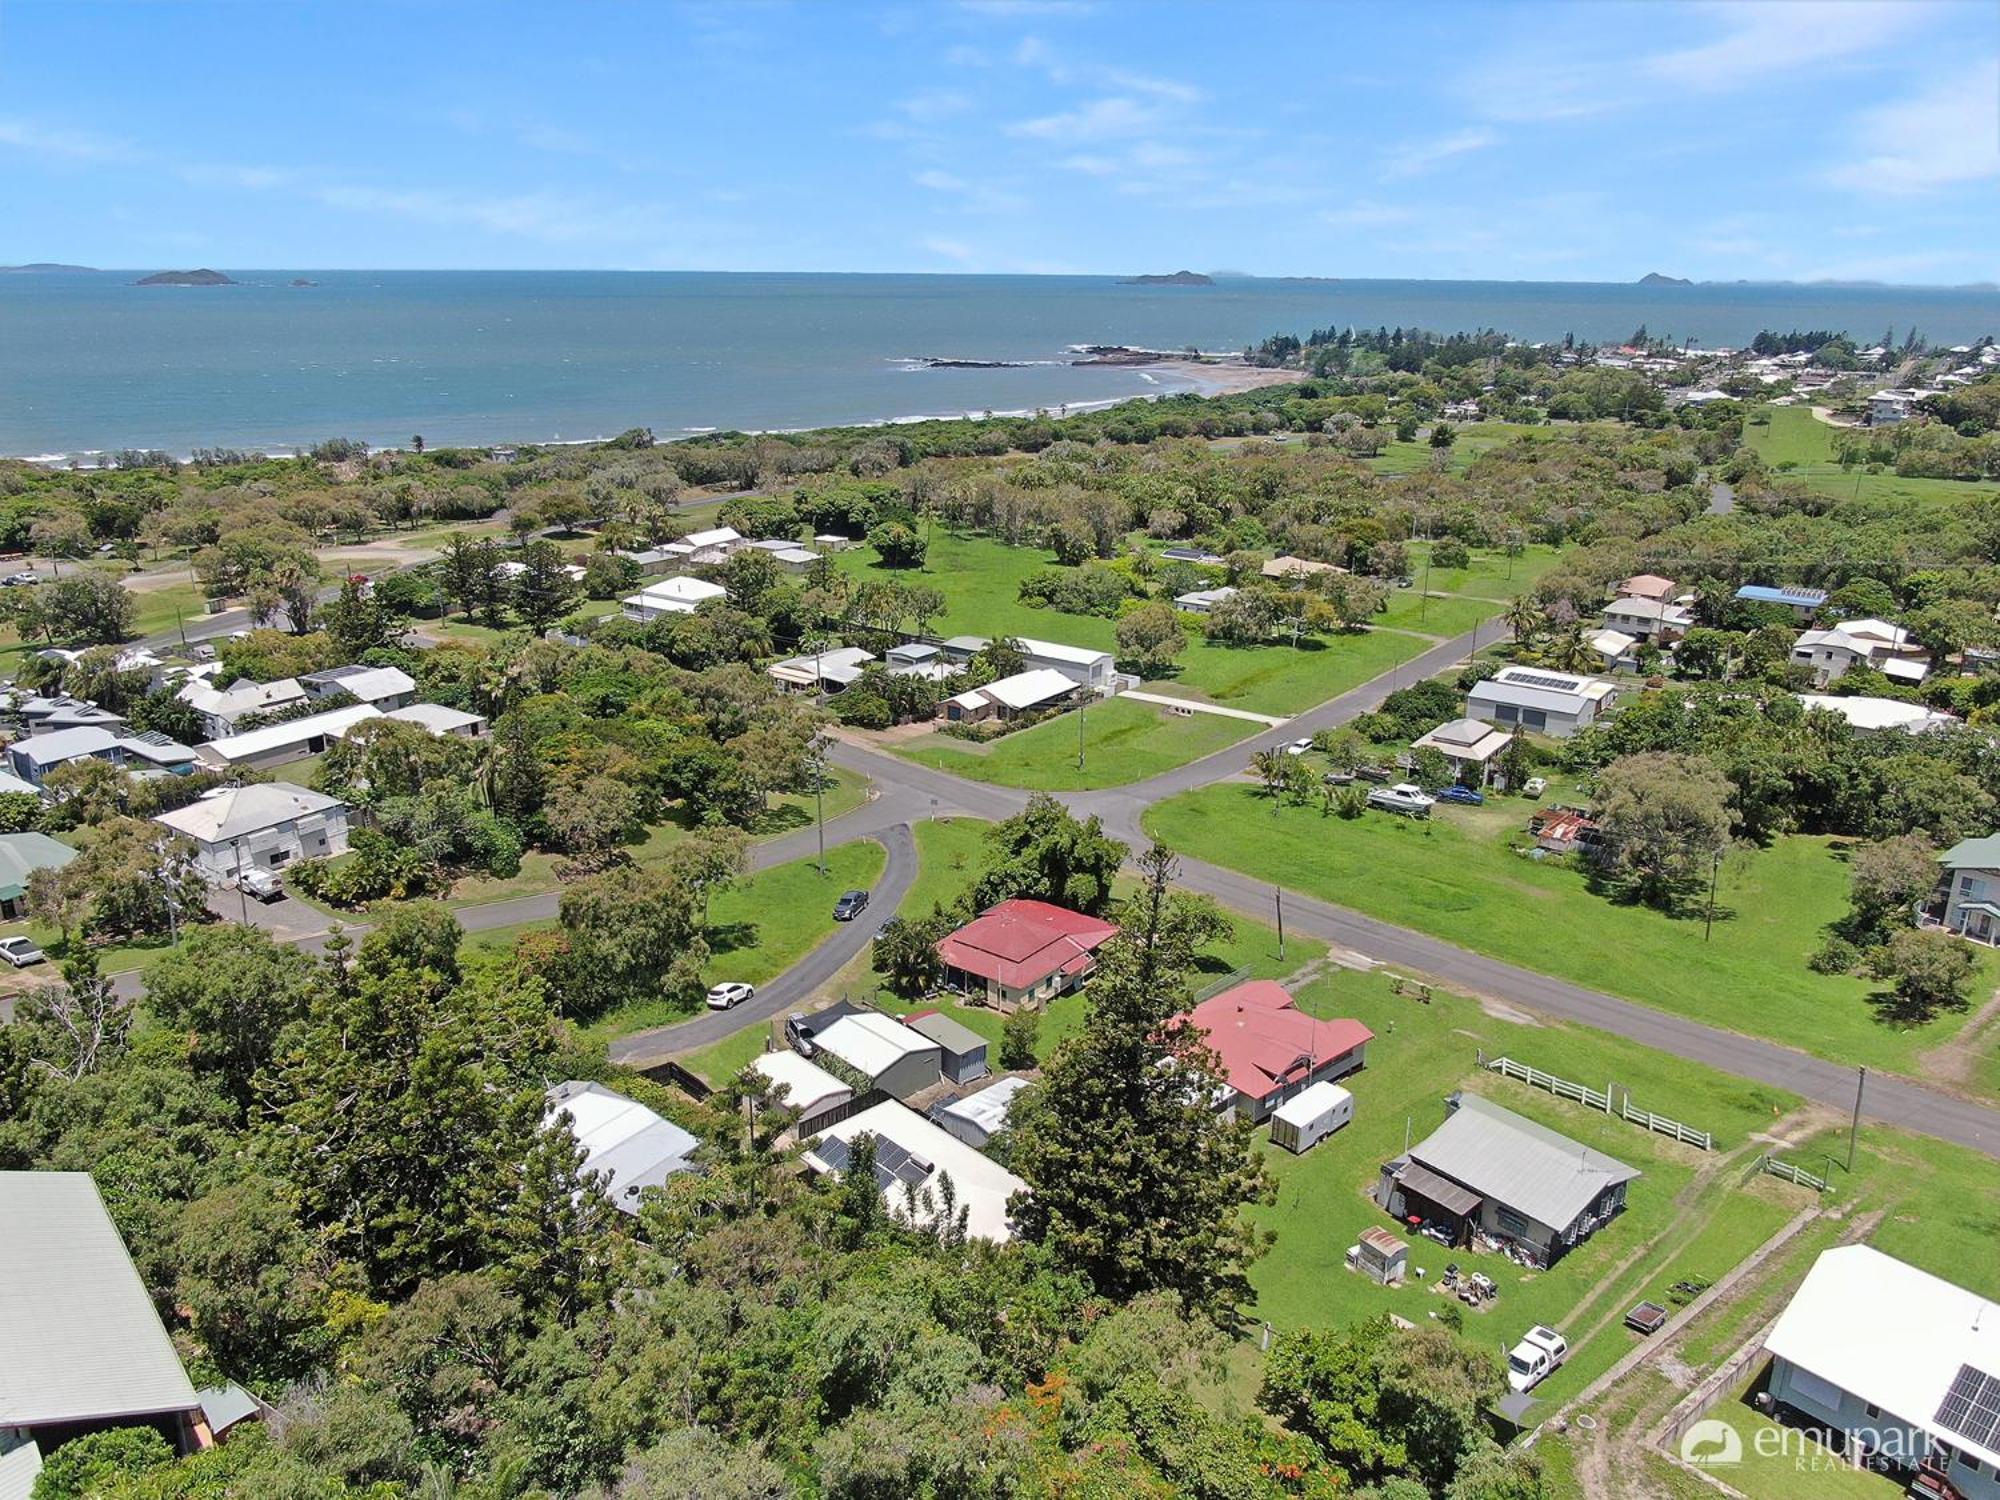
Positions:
(91, 362)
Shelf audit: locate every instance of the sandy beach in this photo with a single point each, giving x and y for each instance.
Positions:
(1225, 379)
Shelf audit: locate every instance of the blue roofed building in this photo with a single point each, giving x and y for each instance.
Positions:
(1801, 601)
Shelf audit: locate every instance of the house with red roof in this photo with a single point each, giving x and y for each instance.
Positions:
(1023, 953)
(1270, 1049)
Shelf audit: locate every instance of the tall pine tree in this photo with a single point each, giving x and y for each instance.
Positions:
(1136, 1181)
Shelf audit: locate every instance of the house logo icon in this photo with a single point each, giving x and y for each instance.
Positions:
(1711, 1442)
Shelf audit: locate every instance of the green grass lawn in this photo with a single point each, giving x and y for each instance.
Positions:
(786, 814)
(1454, 876)
(1123, 741)
(1795, 437)
(1490, 575)
(1473, 439)
(1423, 1052)
(134, 955)
(980, 577)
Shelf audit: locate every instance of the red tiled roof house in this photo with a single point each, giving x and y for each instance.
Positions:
(1023, 953)
(1270, 1049)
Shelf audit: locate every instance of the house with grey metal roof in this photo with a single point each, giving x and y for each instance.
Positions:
(1490, 1172)
(962, 1050)
(1540, 700)
(21, 854)
(81, 1347)
(1968, 898)
(632, 1147)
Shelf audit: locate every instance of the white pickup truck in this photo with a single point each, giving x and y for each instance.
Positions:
(1538, 1355)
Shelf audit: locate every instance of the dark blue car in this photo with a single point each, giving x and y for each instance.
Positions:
(1468, 795)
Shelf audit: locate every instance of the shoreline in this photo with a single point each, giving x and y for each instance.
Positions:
(1190, 377)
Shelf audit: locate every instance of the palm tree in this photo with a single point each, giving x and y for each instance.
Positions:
(1570, 652)
(1273, 768)
(1524, 618)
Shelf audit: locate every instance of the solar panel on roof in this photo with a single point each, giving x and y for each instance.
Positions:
(1542, 680)
(894, 1166)
(1971, 1408)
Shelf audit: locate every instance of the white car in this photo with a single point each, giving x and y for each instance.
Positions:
(20, 952)
(723, 996)
(265, 885)
(1404, 797)
(23, 580)
(1534, 786)
(1540, 1352)
(1299, 747)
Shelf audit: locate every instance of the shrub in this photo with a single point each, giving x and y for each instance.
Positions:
(1834, 956)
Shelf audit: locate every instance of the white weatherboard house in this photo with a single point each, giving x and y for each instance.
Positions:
(265, 827)
(81, 1346)
(1085, 666)
(379, 687)
(221, 709)
(632, 1147)
(828, 671)
(1876, 643)
(1971, 889)
(1905, 1361)
(912, 1157)
(676, 596)
(1537, 699)
(1659, 620)
(1469, 748)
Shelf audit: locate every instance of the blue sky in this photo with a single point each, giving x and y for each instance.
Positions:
(1587, 140)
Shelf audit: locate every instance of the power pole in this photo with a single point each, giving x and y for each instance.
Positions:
(1714, 873)
(819, 800)
(1854, 1125)
(1278, 895)
(1082, 703)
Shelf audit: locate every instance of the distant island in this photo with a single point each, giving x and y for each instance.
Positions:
(203, 277)
(1178, 278)
(301, 281)
(1654, 278)
(45, 268)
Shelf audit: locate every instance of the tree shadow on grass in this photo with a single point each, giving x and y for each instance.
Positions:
(730, 937)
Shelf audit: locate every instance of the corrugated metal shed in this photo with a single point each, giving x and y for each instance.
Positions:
(1508, 1157)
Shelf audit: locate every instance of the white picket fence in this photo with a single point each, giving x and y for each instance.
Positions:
(1590, 1098)
(1790, 1173)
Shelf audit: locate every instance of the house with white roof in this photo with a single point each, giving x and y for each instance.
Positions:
(630, 1146)
(828, 671)
(1900, 1362)
(223, 708)
(803, 1085)
(1470, 747)
(33, 758)
(913, 1157)
(1201, 601)
(280, 744)
(382, 688)
(81, 1346)
(266, 827)
(1024, 692)
(1877, 643)
(1888, 407)
(887, 1054)
(1871, 715)
(1539, 699)
(441, 721)
(1085, 666)
(788, 555)
(672, 596)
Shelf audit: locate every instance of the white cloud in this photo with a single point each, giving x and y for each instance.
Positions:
(1760, 39)
(1414, 158)
(934, 104)
(1097, 120)
(939, 182)
(65, 145)
(1946, 136)
(946, 249)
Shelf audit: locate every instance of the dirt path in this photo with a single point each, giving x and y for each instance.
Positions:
(1951, 1063)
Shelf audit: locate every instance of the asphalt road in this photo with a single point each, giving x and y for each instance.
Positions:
(905, 793)
(800, 981)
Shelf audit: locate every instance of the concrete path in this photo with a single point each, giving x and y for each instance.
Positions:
(1199, 707)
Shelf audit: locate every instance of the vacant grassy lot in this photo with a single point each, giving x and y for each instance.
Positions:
(1122, 741)
(1455, 877)
(1797, 443)
(1473, 439)
(980, 577)
(1689, 1214)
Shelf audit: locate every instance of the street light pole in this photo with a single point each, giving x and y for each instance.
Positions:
(1854, 1126)
(243, 900)
(1278, 895)
(1714, 873)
